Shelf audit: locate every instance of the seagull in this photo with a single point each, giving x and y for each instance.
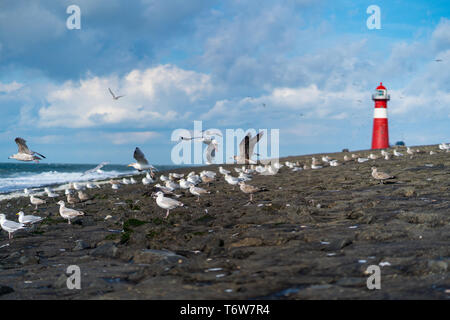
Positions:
(196, 191)
(397, 154)
(207, 138)
(232, 180)
(334, 163)
(194, 179)
(68, 213)
(10, 226)
(25, 154)
(71, 199)
(28, 219)
(172, 185)
(97, 169)
(246, 188)
(114, 96)
(167, 203)
(185, 184)
(91, 186)
(213, 146)
(361, 160)
(147, 179)
(36, 201)
(380, 175)
(50, 193)
(438, 60)
(83, 196)
(205, 135)
(142, 163)
(246, 148)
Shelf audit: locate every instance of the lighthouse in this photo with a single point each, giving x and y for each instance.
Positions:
(380, 135)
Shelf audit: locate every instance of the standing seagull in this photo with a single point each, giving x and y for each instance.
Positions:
(114, 96)
(246, 188)
(68, 213)
(10, 226)
(380, 175)
(167, 203)
(24, 153)
(142, 163)
(36, 201)
(28, 219)
(246, 148)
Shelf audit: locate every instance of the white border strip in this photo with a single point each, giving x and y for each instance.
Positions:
(380, 113)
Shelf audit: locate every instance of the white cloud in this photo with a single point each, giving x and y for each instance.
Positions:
(154, 96)
(10, 87)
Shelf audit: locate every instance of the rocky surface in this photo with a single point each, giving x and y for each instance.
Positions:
(311, 235)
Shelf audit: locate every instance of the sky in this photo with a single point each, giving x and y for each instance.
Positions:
(305, 67)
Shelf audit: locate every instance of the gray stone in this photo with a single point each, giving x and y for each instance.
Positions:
(61, 282)
(80, 245)
(438, 265)
(108, 250)
(28, 260)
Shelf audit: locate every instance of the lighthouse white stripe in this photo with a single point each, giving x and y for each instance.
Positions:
(380, 113)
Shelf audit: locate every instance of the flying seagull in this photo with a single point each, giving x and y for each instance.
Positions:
(438, 60)
(246, 148)
(114, 96)
(24, 153)
(141, 163)
(96, 169)
(211, 150)
(205, 135)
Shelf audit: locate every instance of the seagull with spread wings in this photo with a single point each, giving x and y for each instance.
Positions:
(96, 169)
(141, 163)
(114, 96)
(246, 148)
(24, 153)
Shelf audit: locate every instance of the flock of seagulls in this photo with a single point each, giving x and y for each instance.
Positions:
(167, 186)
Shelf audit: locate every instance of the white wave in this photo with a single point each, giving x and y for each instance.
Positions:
(34, 180)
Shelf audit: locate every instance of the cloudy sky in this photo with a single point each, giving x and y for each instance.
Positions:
(305, 67)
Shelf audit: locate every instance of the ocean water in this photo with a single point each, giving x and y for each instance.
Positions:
(17, 176)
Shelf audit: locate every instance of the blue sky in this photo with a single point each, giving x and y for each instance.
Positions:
(313, 64)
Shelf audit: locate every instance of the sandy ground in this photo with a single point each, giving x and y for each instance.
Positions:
(311, 235)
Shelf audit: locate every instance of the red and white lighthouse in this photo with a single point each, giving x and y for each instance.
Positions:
(380, 135)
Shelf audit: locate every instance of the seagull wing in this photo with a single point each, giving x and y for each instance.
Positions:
(12, 224)
(22, 144)
(243, 146)
(110, 91)
(253, 142)
(101, 165)
(140, 157)
(211, 152)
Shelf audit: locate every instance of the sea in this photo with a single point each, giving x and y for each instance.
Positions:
(15, 177)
